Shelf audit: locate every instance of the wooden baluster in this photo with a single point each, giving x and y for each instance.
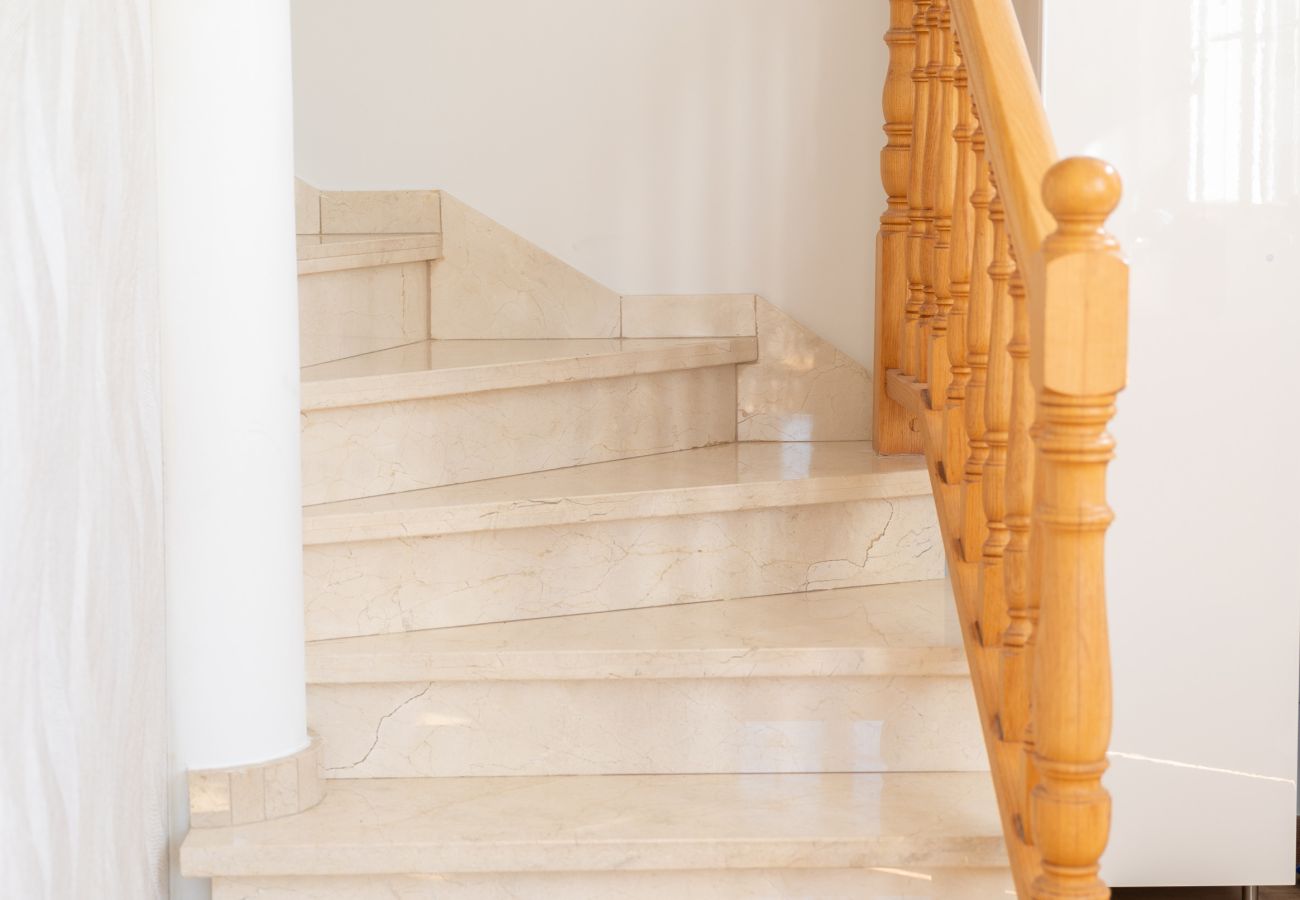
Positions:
(978, 323)
(933, 141)
(997, 416)
(963, 230)
(1013, 713)
(938, 364)
(892, 425)
(916, 192)
(1079, 346)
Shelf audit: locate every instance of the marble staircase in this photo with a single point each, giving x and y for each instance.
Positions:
(572, 632)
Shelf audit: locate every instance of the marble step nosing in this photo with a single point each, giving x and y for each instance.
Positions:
(333, 528)
(367, 390)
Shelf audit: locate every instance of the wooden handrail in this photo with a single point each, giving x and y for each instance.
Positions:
(1001, 315)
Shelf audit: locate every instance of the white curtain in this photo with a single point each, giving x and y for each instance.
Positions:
(82, 730)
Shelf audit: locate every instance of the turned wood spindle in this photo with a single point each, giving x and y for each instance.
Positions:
(978, 323)
(963, 230)
(1079, 348)
(934, 138)
(892, 425)
(939, 366)
(997, 421)
(911, 364)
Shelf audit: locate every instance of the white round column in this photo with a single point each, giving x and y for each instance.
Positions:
(231, 469)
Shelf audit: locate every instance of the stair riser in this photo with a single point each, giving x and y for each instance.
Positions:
(382, 448)
(647, 726)
(752, 884)
(356, 311)
(385, 586)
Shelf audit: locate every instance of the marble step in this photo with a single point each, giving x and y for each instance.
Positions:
(868, 883)
(358, 293)
(851, 680)
(426, 834)
(434, 413)
(737, 520)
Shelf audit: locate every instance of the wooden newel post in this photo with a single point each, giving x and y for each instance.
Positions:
(893, 431)
(1078, 323)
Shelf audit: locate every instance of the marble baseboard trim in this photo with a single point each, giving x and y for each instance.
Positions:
(429, 249)
(257, 793)
(343, 212)
(688, 315)
(801, 388)
(878, 883)
(491, 283)
(306, 207)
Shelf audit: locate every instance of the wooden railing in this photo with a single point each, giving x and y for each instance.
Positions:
(1000, 347)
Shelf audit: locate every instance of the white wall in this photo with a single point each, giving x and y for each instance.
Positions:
(658, 145)
(82, 784)
(1195, 103)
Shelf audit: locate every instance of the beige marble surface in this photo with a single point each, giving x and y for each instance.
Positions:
(909, 628)
(688, 315)
(344, 212)
(801, 388)
(334, 252)
(344, 313)
(446, 367)
(306, 207)
(491, 283)
(252, 793)
(627, 822)
(722, 478)
(879, 883)
(647, 725)
(400, 584)
(380, 448)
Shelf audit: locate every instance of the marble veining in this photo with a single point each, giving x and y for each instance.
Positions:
(344, 313)
(802, 388)
(722, 478)
(625, 822)
(909, 628)
(400, 446)
(646, 725)
(491, 283)
(400, 584)
(867, 883)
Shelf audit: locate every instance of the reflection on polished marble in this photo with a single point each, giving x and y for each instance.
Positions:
(880, 883)
(405, 583)
(900, 629)
(443, 368)
(802, 388)
(380, 448)
(646, 725)
(628, 822)
(722, 478)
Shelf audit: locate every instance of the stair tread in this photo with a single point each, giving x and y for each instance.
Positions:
(326, 246)
(896, 629)
(626, 822)
(441, 368)
(721, 478)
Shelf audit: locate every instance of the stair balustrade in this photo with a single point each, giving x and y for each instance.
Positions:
(1001, 343)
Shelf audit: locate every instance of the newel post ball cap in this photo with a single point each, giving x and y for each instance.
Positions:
(1081, 188)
